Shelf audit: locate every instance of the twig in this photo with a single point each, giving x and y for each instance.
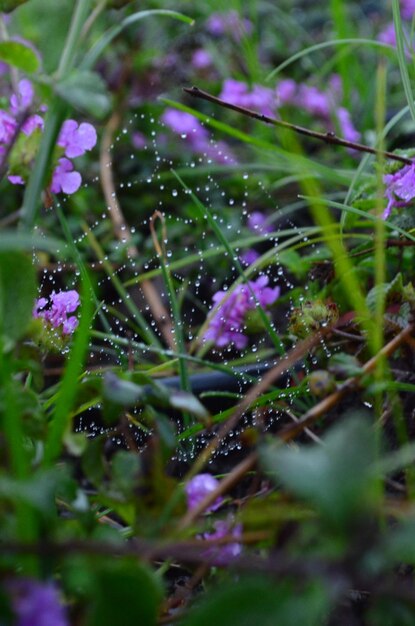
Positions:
(283, 365)
(123, 232)
(290, 432)
(328, 137)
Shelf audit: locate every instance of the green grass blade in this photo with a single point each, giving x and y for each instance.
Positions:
(67, 393)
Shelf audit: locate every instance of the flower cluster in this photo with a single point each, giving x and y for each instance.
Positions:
(73, 141)
(36, 603)
(400, 188)
(61, 304)
(197, 489)
(224, 554)
(321, 104)
(196, 136)
(388, 34)
(228, 324)
(229, 23)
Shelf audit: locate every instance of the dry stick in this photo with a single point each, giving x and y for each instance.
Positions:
(291, 431)
(123, 233)
(297, 353)
(288, 433)
(328, 137)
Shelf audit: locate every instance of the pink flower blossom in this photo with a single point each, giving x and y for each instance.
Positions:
(24, 98)
(201, 59)
(198, 488)
(36, 603)
(61, 305)
(228, 23)
(77, 139)
(64, 178)
(226, 553)
(7, 127)
(257, 222)
(407, 9)
(228, 323)
(259, 98)
(249, 256)
(400, 188)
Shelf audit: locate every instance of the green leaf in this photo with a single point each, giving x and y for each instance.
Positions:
(17, 294)
(344, 365)
(337, 477)
(121, 392)
(392, 293)
(125, 471)
(260, 601)
(391, 611)
(184, 401)
(86, 92)
(19, 55)
(6, 6)
(127, 594)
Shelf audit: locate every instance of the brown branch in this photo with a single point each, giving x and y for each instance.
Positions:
(329, 137)
(289, 432)
(123, 232)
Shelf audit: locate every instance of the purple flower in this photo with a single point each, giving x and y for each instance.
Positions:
(400, 188)
(388, 35)
(32, 123)
(198, 488)
(259, 98)
(138, 140)
(347, 128)
(249, 256)
(77, 139)
(286, 91)
(61, 304)
(224, 554)
(7, 127)
(36, 603)
(15, 179)
(228, 323)
(64, 178)
(201, 59)
(184, 124)
(228, 23)
(314, 101)
(24, 98)
(407, 9)
(196, 136)
(257, 222)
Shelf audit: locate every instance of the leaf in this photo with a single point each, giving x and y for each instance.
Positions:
(125, 471)
(392, 292)
(19, 55)
(336, 477)
(263, 602)
(85, 91)
(125, 593)
(6, 6)
(121, 392)
(17, 294)
(345, 365)
(187, 402)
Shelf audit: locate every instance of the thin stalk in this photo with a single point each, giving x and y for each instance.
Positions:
(175, 309)
(147, 333)
(71, 48)
(61, 418)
